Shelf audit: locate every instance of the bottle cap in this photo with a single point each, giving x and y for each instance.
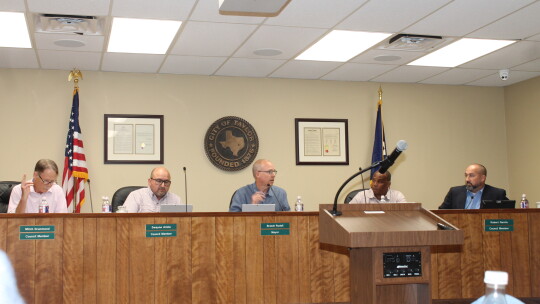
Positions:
(496, 277)
(523, 195)
(299, 197)
(105, 198)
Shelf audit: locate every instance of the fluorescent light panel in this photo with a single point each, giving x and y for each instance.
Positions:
(461, 51)
(142, 36)
(341, 46)
(14, 31)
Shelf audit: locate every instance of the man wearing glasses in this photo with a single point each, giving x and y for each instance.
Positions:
(150, 199)
(26, 197)
(262, 191)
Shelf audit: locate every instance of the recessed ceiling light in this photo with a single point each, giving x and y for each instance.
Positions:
(387, 58)
(142, 36)
(267, 52)
(69, 43)
(461, 51)
(14, 31)
(341, 46)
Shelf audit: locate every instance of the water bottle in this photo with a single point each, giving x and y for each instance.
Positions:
(496, 282)
(299, 206)
(524, 201)
(44, 206)
(384, 199)
(106, 206)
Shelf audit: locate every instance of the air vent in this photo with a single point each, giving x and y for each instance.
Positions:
(409, 42)
(69, 24)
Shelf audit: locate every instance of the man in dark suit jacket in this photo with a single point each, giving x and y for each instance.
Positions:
(466, 197)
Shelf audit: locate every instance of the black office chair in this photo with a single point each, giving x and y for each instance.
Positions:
(121, 194)
(230, 203)
(5, 192)
(352, 194)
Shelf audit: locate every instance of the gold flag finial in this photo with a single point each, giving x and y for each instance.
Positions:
(380, 95)
(74, 75)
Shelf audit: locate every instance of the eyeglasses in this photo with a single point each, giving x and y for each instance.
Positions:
(270, 172)
(46, 183)
(161, 181)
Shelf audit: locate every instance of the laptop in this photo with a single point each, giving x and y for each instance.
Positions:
(258, 207)
(176, 208)
(498, 204)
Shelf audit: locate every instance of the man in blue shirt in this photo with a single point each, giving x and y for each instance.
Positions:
(262, 191)
(470, 195)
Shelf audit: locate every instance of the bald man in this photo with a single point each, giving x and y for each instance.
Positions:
(262, 191)
(475, 190)
(157, 194)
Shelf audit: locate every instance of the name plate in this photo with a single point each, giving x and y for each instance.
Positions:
(36, 232)
(499, 225)
(275, 228)
(161, 230)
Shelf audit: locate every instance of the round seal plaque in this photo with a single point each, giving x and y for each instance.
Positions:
(231, 143)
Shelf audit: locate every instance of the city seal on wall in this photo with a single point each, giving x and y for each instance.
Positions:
(231, 143)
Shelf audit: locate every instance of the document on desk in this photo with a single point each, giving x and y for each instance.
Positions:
(373, 212)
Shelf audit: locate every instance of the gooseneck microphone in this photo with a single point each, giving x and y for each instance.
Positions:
(384, 165)
(185, 186)
(389, 161)
(270, 189)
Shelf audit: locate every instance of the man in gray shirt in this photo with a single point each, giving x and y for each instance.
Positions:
(150, 199)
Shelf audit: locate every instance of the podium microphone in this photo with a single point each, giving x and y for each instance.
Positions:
(389, 161)
(185, 186)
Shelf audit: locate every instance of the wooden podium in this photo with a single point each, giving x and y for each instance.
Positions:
(389, 249)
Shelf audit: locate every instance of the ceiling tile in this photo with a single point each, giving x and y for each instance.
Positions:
(155, 9)
(320, 13)
(389, 15)
(191, 65)
(494, 80)
(134, 63)
(519, 25)
(290, 40)
(305, 69)
(208, 10)
(211, 39)
(12, 6)
(409, 74)
(358, 72)
(370, 55)
(249, 67)
(70, 7)
(65, 60)
(457, 76)
(16, 58)
(463, 17)
(47, 42)
(530, 66)
(510, 56)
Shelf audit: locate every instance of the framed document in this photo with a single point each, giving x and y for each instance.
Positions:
(322, 141)
(133, 139)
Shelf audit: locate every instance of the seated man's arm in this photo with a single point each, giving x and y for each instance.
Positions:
(447, 204)
(237, 201)
(400, 198)
(131, 203)
(284, 202)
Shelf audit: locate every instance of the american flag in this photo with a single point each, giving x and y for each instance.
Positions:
(75, 171)
(379, 142)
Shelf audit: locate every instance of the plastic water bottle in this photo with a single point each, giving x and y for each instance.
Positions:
(524, 201)
(106, 206)
(44, 206)
(496, 282)
(299, 206)
(383, 199)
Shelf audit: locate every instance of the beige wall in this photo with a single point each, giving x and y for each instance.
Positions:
(447, 127)
(523, 127)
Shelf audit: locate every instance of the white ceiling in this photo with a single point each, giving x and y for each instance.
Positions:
(212, 44)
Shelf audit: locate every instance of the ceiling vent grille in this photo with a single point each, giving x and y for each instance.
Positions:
(409, 42)
(69, 24)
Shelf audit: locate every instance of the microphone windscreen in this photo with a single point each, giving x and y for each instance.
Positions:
(402, 145)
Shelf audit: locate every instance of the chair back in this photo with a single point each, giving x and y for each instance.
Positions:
(352, 194)
(121, 194)
(5, 193)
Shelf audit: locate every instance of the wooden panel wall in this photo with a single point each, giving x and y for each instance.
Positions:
(222, 258)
